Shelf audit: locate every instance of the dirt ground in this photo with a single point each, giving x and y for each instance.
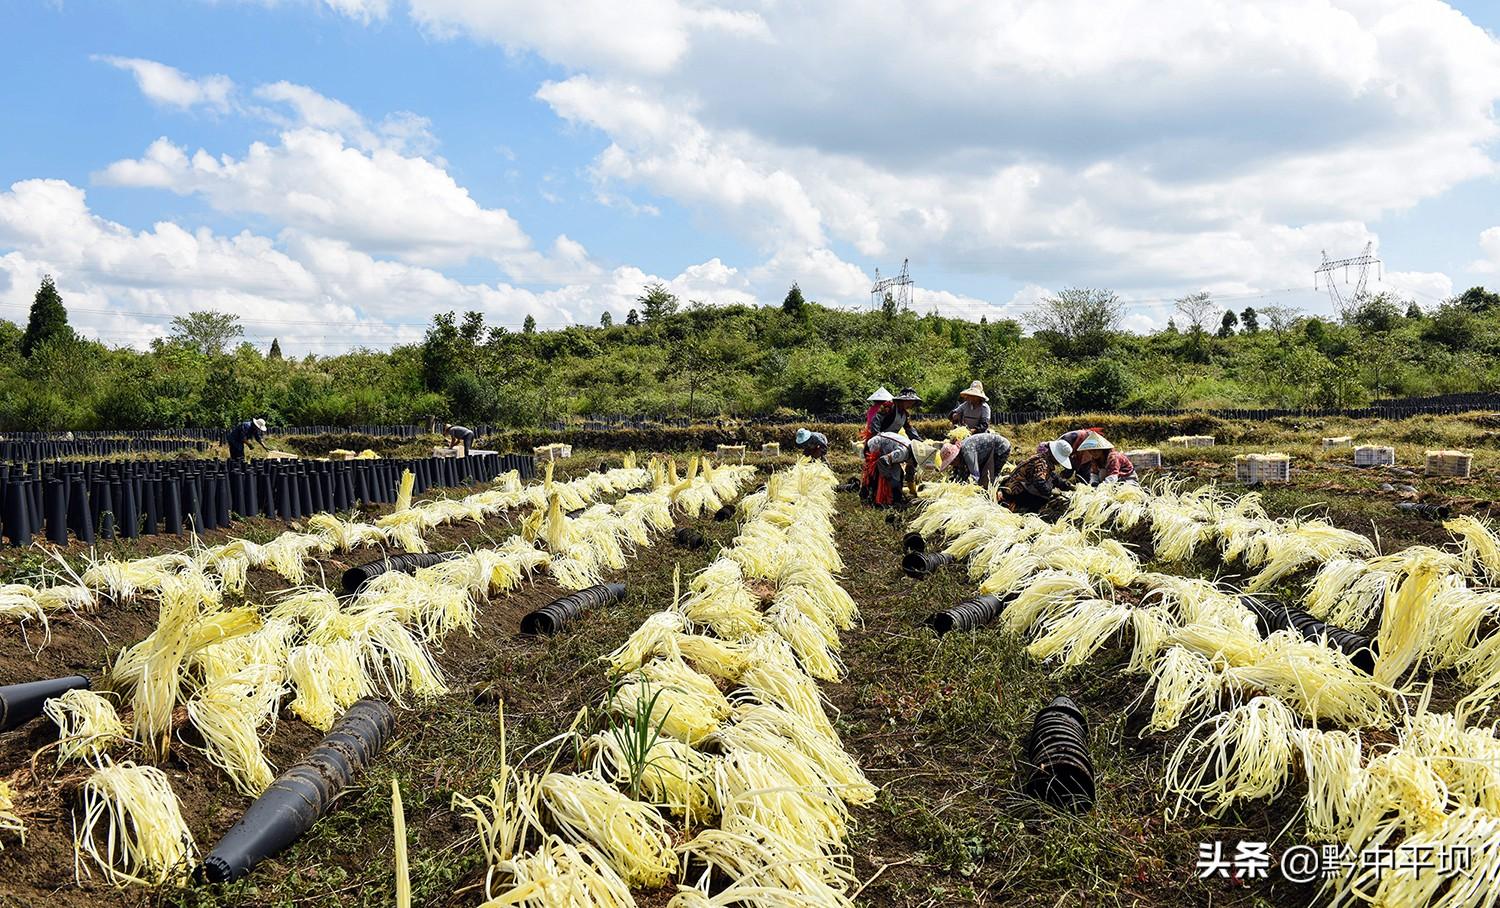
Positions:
(938, 723)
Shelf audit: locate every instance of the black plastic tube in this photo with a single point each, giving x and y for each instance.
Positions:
(913, 542)
(356, 577)
(724, 513)
(688, 537)
(1057, 751)
(20, 703)
(967, 615)
(302, 794)
(555, 616)
(922, 564)
(1273, 615)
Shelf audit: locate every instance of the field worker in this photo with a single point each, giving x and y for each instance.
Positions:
(1116, 468)
(1030, 486)
(880, 402)
(973, 410)
(249, 430)
(898, 418)
(459, 435)
(893, 459)
(813, 444)
(1089, 455)
(982, 456)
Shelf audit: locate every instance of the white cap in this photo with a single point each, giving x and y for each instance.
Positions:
(1062, 452)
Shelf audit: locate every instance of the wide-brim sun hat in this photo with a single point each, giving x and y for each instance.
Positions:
(1095, 442)
(881, 396)
(802, 436)
(909, 394)
(947, 455)
(260, 424)
(976, 391)
(1062, 452)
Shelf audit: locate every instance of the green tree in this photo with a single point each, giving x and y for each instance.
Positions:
(888, 306)
(1251, 320)
(275, 352)
(632, 318)
(207, 331)
(606, 320)
(48, 320)
(657, 302)
(1478, 299)
(529, 325)
(1379, 313)
(1077, 319)
(442, 352)
(793, 303)
(1413, 311)
(1227, 323)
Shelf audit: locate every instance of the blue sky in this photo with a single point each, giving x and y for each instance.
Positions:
(366, 163)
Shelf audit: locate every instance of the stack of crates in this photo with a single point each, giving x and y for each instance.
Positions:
(1254, 469)
(1374, 456)
(1449, 463)
(1338, 441)
(554, 451)
(1193, 441)
(771, 448)
(1145, 458)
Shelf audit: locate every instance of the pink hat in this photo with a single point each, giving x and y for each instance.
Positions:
(947, 455)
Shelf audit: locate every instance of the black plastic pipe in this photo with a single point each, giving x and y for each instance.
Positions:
(913, 542)
(302, 794)
(555, 616)
(1057, 751)
(356, 577)
(923, 564)
(724, 513)
(688, 537)
(967, 615)
(1273, 615)
(20, 703)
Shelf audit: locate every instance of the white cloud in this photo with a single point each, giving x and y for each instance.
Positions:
(379, 201)
(644, 36)
(172, 87)
(1489, 242)
(314, 293)
(402, 131)
(1427, 287)
(1223, 145)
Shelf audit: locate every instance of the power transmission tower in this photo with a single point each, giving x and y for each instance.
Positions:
(1363, 261)
(898, 288)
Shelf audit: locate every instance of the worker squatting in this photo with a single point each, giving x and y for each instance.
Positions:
(972, 451)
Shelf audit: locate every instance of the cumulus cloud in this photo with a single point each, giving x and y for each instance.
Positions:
(312, 292)
(1489, 242)
(1222, 145)
(379, 200)
(172, 87)
(644, 36)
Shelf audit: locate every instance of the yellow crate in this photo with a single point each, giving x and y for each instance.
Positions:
(1449, 463)
(1374, 456)
(1253, 469)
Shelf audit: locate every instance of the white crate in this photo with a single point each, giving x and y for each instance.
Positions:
(1192, 441)
(732, 451)
(554, 451)
(1253, 469)
(1374, 456)
(1449, 463)
(1338, 441)
(772, 448)
(1145, 458)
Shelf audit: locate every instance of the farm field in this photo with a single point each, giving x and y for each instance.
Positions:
(937, 724)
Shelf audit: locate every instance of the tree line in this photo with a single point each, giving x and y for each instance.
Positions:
(670, 358)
